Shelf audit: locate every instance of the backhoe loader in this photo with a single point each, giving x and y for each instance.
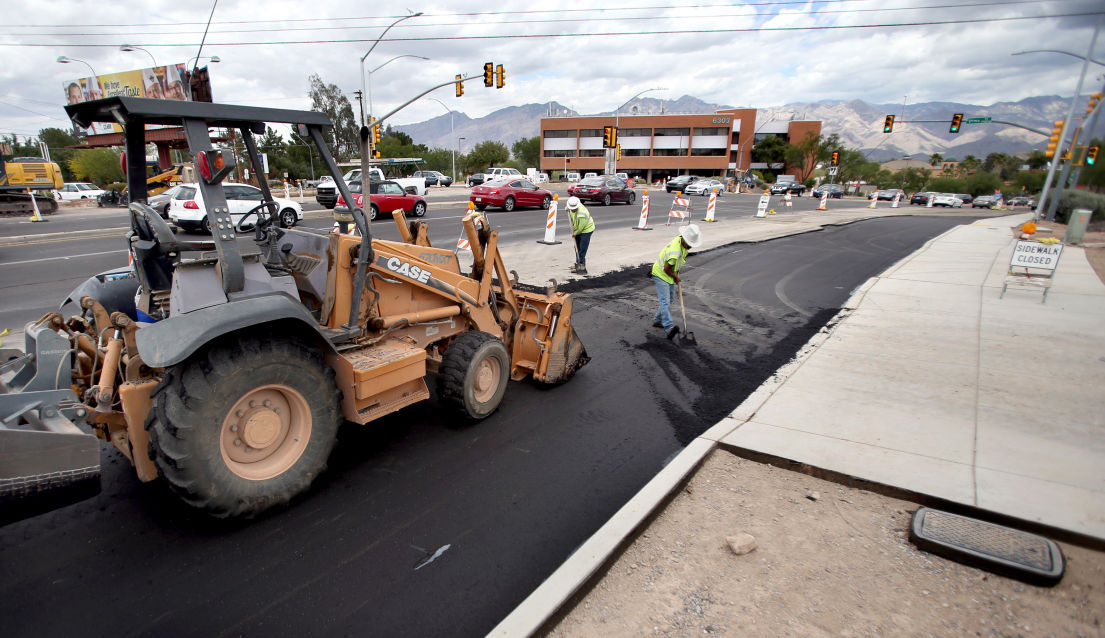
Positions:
(226, 372)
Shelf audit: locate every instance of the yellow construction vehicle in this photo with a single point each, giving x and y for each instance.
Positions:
(20, 177)
(227, 373)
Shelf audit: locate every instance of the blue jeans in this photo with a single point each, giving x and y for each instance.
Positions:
(666, 293)
(583, 240)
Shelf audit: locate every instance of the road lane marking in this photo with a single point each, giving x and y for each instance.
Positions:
(35, 261)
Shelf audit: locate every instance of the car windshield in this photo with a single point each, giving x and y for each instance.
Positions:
(591, 181)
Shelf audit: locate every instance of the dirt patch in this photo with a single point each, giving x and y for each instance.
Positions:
(1093, 242)
(830, 560)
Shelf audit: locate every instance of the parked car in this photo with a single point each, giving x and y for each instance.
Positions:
(947, 200)
(704, 187)
(509, 194)
(79, 190)
(160, 202)
(921, 198)
(967, 199)
(983, 201)
(835, 191)
(573, 177)
(475, 179)
(888, 194)
(680, 182)
(605, 189)
(796, 188)
(187, 210)
(499, 172)
(1022, 201)
(542, 178)
(434, 178)
(384, 197)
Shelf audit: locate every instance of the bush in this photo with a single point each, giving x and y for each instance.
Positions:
(948, 185)
(1072, 199)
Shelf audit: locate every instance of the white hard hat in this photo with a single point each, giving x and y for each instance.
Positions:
(573, 203)
(691, 234)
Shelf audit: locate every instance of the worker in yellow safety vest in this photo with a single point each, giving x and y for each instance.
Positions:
(665, 273)
(582, 227)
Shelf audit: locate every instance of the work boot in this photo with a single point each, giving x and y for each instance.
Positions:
(671, 333)
(657, 324)
(582, 270)
(574, 268)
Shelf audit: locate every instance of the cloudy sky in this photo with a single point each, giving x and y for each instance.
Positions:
(760, 54)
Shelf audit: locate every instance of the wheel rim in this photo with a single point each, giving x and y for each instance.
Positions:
(485, 380)
(372, 214)
(419, 209)
(508, 205)
(206, 226)
(289, 218)
(545, 202)
(265, 432)
(606, 200)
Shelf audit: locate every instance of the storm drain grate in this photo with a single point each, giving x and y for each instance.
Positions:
(995, 548)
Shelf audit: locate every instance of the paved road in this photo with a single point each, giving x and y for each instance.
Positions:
(500, 504)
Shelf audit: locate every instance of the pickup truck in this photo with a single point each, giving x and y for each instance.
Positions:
(326, 193)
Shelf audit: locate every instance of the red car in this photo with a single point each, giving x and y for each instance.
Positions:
(385, 198)
(605, 189)
(509, 194)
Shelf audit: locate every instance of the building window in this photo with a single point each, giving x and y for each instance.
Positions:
(564, 153)
(717, 130)
(590, 132)
(669, 152)
(708, 151)
(593, 152)
(551, 133)
(634, 152)
(634, 132)
(763, 136)
(672, 132)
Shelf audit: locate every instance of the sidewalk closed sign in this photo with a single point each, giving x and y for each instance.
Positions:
(1033, 254)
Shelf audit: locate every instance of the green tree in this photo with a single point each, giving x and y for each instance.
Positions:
(485, 155)
(57, 140)
(804, 156)
(1028, 181)
(272, 142)
(936, 159)
(1036, 160)
(970, 164)
(982, 184)
(914, 179)
(343, 137)
(97, 165)
(1092, 176)
(948, 185)
(527, 151)
(771, 150)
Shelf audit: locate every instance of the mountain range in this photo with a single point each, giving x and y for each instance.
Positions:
(858, 124)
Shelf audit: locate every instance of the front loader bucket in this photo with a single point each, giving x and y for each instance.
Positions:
(545, 336)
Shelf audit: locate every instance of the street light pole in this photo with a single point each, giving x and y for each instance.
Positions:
(65, 60)
(214, 59)
(455, 149)
(370, 107)
(377, 41)
(131, 47)
(452, 132)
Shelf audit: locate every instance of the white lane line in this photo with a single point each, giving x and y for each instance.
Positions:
(35, 261)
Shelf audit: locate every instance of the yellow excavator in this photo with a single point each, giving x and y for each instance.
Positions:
(20, 177)
(227, 372)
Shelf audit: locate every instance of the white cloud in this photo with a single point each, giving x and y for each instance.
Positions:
(591, 73)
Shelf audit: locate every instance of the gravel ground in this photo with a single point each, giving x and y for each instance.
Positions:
(830, 560)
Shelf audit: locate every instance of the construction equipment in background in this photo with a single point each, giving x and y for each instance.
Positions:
(20, 177)
(227, 373)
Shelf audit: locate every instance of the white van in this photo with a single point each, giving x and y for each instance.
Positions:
(499, 173)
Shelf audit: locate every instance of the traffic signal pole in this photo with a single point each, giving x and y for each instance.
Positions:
(1070, 114)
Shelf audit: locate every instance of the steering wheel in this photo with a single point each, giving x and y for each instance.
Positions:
(262, 222)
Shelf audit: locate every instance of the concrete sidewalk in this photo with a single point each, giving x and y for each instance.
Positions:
(927, 382)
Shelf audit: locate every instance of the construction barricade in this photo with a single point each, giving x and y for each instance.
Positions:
(824, 201)
(642, 223)
(711, 207)
(680, 209)
(550, 223)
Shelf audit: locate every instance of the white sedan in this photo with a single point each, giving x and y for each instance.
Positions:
(947, 199)
(704, 187)
(188, 211)
(79, 190)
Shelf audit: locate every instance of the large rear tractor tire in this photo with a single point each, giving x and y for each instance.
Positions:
(243, 426)
(473, 375)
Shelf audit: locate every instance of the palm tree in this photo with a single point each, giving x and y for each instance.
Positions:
(935, 159)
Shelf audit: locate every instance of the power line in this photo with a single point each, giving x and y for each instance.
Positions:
(524, 36)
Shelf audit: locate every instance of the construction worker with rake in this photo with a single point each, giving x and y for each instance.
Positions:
(582, 227)
(665, 273)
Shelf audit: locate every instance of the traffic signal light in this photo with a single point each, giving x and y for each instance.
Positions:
(1091, 155)
(610, 137)
(377, 155)
(889, 124)
(376, 134)
(1094, 99)
(500, 77)
(460, 86)
(957, 119)
(836, 159)
(1053, 141)
(620, 152)
(488, 74)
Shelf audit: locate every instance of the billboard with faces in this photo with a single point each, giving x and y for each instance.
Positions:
(159, 83)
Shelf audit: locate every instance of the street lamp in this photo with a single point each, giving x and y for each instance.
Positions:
(451, 133)
(370, 109)
(66, 60)
(214, 59)
(1073, 55)
(456, 149)
(377, 41)
(131, 47)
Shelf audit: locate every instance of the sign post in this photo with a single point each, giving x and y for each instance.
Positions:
(1033, 263)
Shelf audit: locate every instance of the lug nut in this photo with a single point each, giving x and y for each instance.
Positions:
(238, 442)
